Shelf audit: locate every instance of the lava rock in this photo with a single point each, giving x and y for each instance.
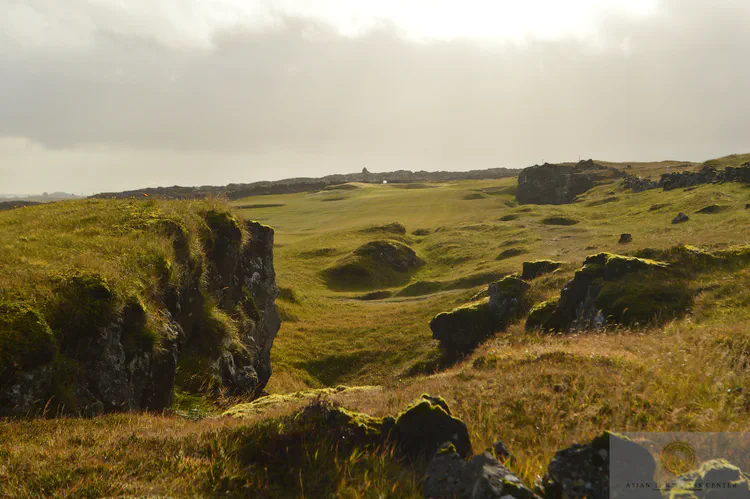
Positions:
(450, 477)
(465, 327)
(681, 217)
(427, 424)
(625, 238)
(713, 480)
(601, 469)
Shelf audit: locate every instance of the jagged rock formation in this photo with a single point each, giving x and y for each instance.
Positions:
(463, 328)
(614, 289)
(553, 184)
(89, 353)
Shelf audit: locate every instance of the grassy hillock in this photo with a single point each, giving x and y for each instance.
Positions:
(536, 391)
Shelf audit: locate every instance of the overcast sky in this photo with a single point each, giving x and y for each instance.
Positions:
(103, 95)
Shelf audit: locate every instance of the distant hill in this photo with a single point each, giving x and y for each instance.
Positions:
(307, 184)
(46, 197)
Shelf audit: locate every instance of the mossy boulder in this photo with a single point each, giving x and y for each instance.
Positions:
(536, 268)
(463, 328)
(608, 463)
(427, 424)
(507, 301)
(374, 264)
(348, 428)
(545, 316)
(715, 479)
(616, 289)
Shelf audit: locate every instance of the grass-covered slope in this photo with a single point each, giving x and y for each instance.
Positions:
(99, 289)
(538, 392)
(329, 337)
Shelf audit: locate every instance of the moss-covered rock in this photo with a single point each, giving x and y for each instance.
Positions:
(545, 316)
(620, 289)
(536, 268)
(463, 328)
(348, 428)
(427, 424)
(715, 479)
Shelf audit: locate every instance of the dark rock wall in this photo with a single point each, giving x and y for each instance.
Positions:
(105, 368)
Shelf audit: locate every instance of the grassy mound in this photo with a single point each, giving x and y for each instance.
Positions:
(382, 263)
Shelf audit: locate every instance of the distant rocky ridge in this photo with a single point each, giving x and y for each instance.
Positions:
(307, 184)
(562, 184)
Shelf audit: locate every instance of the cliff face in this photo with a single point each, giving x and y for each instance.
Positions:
(552, 184)
(212, 329)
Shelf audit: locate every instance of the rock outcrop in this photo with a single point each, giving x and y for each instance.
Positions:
(417, 432)
(708, 174)
(601, 469)
(463, 328)
(428, 423)
(713, 480)
(614, 289)
(91, 353)
(553, 184)
(450, 477)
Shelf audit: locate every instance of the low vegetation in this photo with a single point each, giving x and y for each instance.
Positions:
(675, 362)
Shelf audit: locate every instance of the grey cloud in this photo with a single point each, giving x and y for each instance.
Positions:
(669, 86)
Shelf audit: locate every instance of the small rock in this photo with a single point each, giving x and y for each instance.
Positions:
(501, 451)
(625, 238)
(449, 477)
(681, 217)
(747, 206)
